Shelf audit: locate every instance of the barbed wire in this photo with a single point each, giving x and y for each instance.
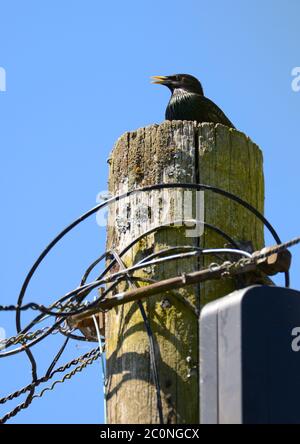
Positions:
(144, 263)
(69, 375)
(74, 303)
(278, 248)
(66, 377)
(44, 379)
(21, 338)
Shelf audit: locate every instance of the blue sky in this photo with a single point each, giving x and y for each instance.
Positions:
(77, 78)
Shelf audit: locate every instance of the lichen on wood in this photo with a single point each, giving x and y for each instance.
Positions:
(172, 152)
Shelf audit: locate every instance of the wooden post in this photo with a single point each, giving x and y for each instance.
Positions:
(168, 153)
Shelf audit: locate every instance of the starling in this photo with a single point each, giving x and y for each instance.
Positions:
(188, 101)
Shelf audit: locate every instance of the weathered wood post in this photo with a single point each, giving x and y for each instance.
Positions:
(172, 152)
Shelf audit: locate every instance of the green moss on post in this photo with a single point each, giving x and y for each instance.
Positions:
(168, 153)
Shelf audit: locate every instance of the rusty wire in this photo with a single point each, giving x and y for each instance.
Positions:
(72, 302)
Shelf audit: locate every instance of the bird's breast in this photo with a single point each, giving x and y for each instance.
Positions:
(179, 106)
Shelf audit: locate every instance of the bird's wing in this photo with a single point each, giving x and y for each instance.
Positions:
(213, 112)
(195, 107)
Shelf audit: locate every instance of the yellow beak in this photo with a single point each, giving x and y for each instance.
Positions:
(158, 80)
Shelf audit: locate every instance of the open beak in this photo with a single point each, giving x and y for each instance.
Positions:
(159, 80)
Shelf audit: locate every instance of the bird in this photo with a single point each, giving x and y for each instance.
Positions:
(188, 101)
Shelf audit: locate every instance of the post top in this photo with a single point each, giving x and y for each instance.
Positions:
(205, 131)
